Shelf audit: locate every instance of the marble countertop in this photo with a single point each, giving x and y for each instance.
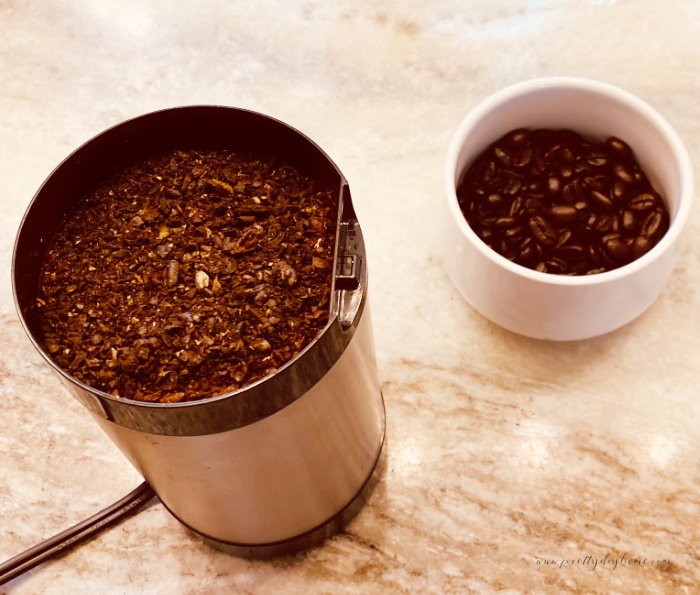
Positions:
(511, 465)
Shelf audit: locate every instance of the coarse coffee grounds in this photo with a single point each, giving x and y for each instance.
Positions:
(557, 202)
(189, 275)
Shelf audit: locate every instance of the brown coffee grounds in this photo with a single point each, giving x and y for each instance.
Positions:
(189, 275)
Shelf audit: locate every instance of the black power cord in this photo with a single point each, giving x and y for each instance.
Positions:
(62, 542)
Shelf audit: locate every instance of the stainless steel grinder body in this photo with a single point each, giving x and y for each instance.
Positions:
(276, 463)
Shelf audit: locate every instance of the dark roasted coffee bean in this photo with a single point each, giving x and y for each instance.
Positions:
(490, 172)
(533, 204)
(610, 236)
(542, 231)
(494, 199)
(568, 193)
(596, 271)
(582, 169)
(642, 202)
(516, 207)
(628, 222)
(624, 174)
(565, 155)
(517, 138)
(539, 165)
(523, 157)
(553, 184)
(536, 187)
(617, 146)
(512, 186)
(601, 200)
(617, 250)
(594, 253)
(487, 219)
(641, 246)
(572, 252)
(564, 236)
(541, 267)
(651, 225)
(502, 156)
(556, 265)
(619, 190)
(563, 213)
(597, 159)
(566, 171)
(513, 233)
(603, 223)
(527, 253)
(593, 183)
(615, 225)
(504, 222)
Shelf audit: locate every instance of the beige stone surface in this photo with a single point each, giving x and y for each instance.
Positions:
(502, 452)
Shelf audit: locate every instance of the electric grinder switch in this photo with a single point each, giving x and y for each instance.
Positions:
(350, 257)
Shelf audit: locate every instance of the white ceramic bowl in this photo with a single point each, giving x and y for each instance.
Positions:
(549, 306)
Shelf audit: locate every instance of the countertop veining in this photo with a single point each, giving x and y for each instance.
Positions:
(510, 465)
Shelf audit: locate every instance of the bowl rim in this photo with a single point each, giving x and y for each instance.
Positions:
(620, 95)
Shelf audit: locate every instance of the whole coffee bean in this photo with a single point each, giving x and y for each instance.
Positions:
(617, 249)
(568, 193)
(603, 223)
(564, 237)
(563, 213)
(618, 147)
(556, 265)
(542, 231)
(641, 246)
(597, 159)
(516, 138)
(504, 222)
(513, 186)
(513, 234)
(566, 171)
(593, 183)
(553, 184)
(529, 252)
(516, 207)
(523, 157)
(565, 155)
(610, 236)
(601, 200)
(562, 204)
(642, 202)
(652, 224)
(490, 171)
(572, 252)
(628, 222)
(624, 174)
(533, 204)
(619, 190)
(595, 253)
(502, 156)
(536, 187)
